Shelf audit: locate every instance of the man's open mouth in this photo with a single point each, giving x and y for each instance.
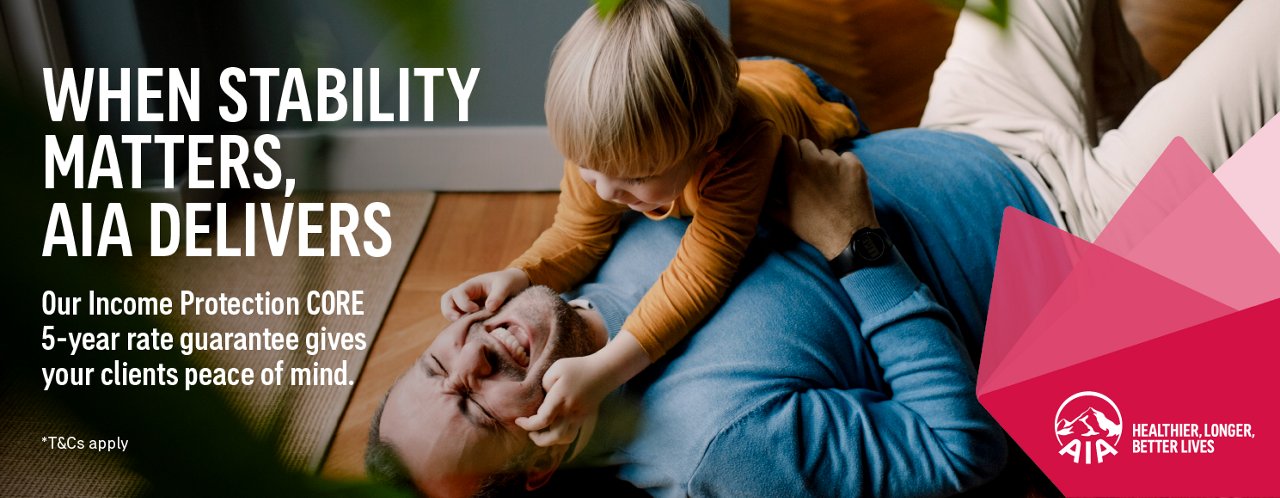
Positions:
(516, 341)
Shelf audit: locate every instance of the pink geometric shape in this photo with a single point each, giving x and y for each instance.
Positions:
(1033, 260)
(1148, 315)
(1181, 223)
(1216, 372)
(1105, 303)
(1252, 175)
(1209, 244)
(1177, 173)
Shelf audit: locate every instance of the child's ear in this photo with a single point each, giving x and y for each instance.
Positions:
(544, 466)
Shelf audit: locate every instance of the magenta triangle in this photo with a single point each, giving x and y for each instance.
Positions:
(1105, 303)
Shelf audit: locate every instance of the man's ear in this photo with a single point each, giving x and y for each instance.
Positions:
(544, 466)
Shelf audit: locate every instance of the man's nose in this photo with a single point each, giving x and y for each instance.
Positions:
(473, 362)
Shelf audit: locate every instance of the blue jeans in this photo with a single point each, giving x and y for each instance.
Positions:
(827, 91)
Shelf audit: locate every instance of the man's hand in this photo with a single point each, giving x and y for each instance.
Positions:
(492, 287)
(827, 196)
(576, 386)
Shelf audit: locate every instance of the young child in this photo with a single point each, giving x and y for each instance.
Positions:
(654, 114)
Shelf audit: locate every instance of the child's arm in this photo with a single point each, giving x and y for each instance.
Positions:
(579, 237)
(694, 282)
(730, 201)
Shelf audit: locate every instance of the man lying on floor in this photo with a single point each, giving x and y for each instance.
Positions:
(799, 384)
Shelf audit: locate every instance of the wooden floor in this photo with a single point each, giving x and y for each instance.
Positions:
(1168, 31)
(467, 234)
(473, 233)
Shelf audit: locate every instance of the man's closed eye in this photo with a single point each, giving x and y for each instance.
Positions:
(465, 399)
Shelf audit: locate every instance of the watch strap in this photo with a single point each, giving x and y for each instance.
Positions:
(867, 247)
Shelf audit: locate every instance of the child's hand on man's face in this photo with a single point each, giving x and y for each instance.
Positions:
(493, 288)
(575, 387)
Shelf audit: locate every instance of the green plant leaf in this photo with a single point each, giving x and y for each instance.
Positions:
(606, 7)
(996, 11)
(426, 27)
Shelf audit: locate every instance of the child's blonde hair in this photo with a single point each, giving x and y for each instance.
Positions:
(637, 92)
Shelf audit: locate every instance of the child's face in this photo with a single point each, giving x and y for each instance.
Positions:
(645, 193)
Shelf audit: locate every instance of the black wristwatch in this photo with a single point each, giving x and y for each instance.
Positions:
(867, 247)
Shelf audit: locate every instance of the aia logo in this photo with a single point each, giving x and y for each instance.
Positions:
(1088, 427)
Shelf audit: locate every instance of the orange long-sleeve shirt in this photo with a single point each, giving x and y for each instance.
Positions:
(724, 198)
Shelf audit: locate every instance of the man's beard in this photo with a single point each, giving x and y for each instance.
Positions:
(572, 335)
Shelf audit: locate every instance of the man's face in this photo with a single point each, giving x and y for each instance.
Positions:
(452, 416)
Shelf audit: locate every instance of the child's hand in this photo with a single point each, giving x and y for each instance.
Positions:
(492, 287)
(575, 387)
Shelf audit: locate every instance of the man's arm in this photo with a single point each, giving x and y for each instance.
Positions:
(926, 436)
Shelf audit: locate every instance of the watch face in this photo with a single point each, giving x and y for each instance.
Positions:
(870, 245)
